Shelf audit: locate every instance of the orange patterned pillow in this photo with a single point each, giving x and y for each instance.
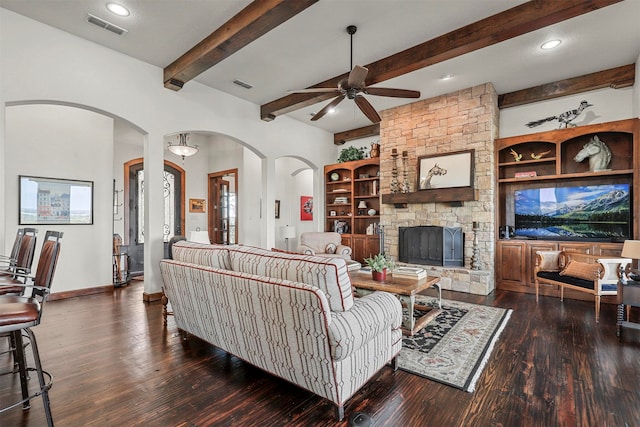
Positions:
(581, 270)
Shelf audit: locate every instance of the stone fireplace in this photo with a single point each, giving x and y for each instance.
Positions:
(463, 120)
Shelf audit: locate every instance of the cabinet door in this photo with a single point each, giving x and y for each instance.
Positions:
(609, 250)
(583, 248)
(364, 247)
(512, 262)
(533, 248)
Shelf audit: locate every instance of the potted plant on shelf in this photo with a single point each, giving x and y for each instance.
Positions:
(351, 153)
(379, 265)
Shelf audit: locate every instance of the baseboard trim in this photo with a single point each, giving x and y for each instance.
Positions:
(156, 296)
(80, 292)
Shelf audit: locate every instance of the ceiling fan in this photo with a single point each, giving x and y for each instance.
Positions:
(354, 87)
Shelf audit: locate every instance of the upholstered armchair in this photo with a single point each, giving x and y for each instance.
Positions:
(327, 244)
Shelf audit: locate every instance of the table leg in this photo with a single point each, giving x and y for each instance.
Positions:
(437, 286)
(409, 322)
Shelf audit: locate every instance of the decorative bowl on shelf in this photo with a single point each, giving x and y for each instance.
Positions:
(371, 212)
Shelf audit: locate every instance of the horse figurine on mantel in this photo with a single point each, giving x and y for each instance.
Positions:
(598, 153)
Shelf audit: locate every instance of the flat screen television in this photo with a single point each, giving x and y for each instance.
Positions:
(594, 212)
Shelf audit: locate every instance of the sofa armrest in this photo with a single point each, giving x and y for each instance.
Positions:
(306, 250)
(343, 250)
(370, 316)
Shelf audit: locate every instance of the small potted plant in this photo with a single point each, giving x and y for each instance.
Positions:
(379, 265)
(351, 153)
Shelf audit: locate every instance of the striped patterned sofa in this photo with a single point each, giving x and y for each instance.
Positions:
(292, 315)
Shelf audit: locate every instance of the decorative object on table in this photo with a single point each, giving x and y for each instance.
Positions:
(335, 176)
(597, 152)
(516, 156)
(362, 207)
(538, 156)
(277, 209)
(630, 249)
(371, 212)
(306, 208)
(475, 258)
(379, 265)
(375, 150)
(406, 188)
(564, 119)
(455, 346)
(351, 153)
(432, 170)
(410, 272)
(354, 87)
(288, 232)
(394, 185)
(197, 205)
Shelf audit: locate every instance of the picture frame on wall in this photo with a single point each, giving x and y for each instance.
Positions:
(54, 201)
(450, 170)
(306, 208)
(277, 209)
(197, 205)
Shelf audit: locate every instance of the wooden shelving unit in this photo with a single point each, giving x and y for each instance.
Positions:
(347, 185)
(515, 258)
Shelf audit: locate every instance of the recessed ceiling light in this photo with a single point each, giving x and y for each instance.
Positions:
(550, 44)
(446, 77)
(118, 9)
(331, 110)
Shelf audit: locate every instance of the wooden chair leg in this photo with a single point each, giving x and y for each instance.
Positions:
(597, 308)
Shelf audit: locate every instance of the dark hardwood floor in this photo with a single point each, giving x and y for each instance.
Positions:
(114, 364)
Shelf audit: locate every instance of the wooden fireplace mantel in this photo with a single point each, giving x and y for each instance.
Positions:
(458, 194)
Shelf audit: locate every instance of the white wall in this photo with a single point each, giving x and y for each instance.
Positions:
(41, 64)
(71, 143)
(608, 105)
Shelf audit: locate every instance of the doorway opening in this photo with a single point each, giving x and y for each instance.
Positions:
(223, 207)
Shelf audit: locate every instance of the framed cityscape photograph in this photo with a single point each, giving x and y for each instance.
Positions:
(54, 201)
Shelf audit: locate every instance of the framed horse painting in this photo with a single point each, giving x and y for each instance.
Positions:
(448, 170)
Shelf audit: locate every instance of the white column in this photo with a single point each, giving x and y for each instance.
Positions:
(153, 215)
(268, 229)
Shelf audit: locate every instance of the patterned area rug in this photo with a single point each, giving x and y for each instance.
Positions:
(454, 347)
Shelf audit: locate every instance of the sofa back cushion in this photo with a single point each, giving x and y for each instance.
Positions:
(216, 256)
(328, 274)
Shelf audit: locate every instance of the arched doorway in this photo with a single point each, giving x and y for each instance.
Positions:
(174, 211)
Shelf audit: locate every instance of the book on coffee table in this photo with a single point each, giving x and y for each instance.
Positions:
(410, 272)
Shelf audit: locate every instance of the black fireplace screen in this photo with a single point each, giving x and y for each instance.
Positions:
(431, 245)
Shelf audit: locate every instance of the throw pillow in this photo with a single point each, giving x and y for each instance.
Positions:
(581, 270)
(330, 249)
(549, 261)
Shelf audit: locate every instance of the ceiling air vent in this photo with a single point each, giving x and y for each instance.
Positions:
(243, 84)
(92, 19)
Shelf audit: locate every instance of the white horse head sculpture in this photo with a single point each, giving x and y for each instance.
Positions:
(598, 153)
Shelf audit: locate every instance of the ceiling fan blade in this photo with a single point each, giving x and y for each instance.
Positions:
(367, 109)
(316, 90)
(328, 107)
(357, 76)
(396, 93)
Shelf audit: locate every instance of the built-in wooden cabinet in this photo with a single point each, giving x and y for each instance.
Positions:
(548, 159)
(352, 204)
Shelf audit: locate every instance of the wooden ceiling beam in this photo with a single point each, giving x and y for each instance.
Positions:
(252, 22)
(513, 22)
(341, 137)
(616, 78)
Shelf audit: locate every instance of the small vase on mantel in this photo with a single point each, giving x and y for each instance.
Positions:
(379, 276)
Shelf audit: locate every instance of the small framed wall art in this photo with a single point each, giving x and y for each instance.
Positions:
(197, 205)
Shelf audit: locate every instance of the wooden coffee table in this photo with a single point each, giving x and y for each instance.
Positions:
(406, 290)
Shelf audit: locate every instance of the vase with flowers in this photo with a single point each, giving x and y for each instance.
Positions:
(379, 265)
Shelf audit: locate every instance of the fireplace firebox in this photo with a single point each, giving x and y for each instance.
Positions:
(431, 245)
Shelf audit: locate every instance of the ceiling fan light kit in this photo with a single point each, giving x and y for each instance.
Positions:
(354, 87)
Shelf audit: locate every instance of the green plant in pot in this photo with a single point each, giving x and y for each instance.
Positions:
(379, 265)
(351, 153)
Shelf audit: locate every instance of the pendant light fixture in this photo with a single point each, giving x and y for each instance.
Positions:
(183, 149)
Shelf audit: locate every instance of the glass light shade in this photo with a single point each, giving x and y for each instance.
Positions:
(362, 205)
(631, 249)
(183, 150)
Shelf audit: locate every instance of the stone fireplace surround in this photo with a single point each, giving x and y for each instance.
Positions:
(467, 119)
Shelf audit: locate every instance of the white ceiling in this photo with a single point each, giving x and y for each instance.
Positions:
(314, 45)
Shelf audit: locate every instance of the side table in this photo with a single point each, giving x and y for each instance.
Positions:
(628, 295)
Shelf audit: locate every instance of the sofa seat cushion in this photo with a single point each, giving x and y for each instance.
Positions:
(216, 256)
(570, 280)
(328, 274)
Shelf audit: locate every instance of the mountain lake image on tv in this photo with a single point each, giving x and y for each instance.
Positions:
(594, 212)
